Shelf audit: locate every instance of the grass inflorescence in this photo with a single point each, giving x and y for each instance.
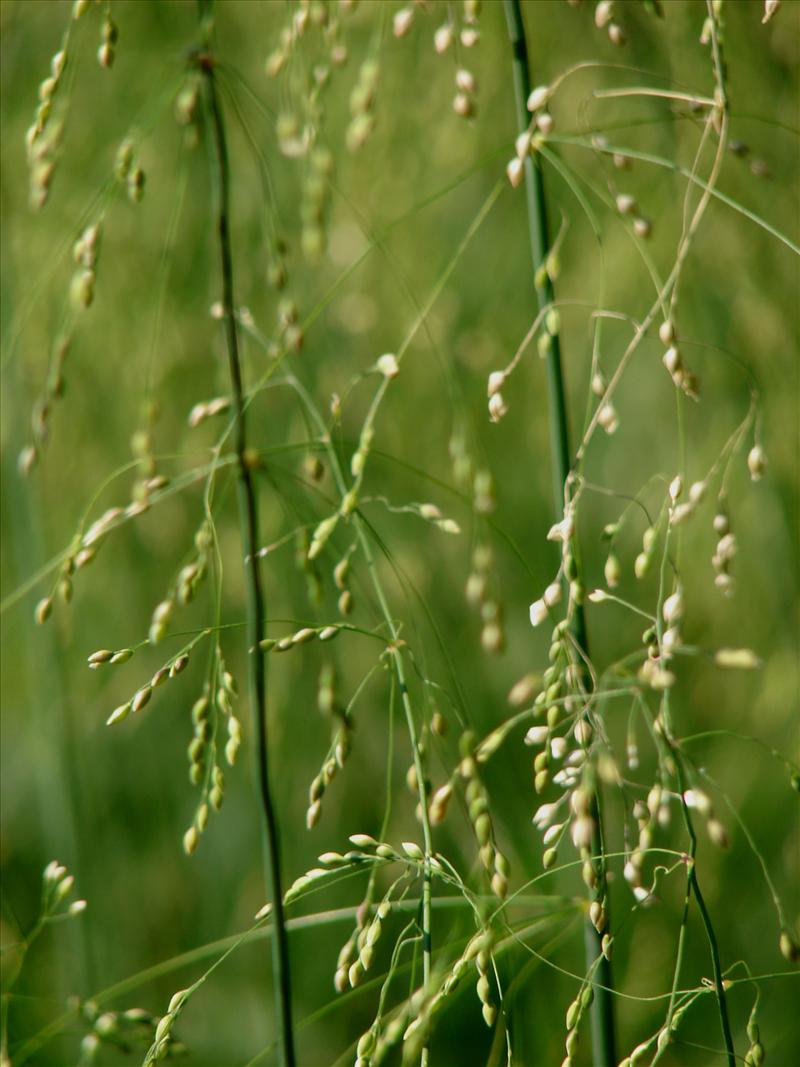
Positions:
(392, 422)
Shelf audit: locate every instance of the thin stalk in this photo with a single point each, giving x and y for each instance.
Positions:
(412, 730)
(397, 659)
(602, 1009)
(256, 613)
(693, 886)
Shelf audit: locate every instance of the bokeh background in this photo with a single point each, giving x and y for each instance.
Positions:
(113, 803)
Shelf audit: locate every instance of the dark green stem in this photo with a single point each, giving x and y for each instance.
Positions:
(694, 887)
(602, 1009)
(248, 517)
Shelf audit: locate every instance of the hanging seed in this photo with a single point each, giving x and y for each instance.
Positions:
(141, 698)
(43, 610)
(179, 665)
(103, 655)
(118, 714)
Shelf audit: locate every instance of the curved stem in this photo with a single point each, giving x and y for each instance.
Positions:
(602, 1012)
(693, 886)
(248, 518)
(399, 669)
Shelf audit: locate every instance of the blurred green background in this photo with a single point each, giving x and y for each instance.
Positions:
(113, 804)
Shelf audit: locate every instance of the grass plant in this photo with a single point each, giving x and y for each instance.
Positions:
(430, 366)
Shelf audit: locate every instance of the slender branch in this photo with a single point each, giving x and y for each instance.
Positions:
(693, 886)
(248, 517)
(420, 770)
(602, 1010)
(399, 668)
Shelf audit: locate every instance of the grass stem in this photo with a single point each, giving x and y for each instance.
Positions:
(248, 518)
(602, 1011)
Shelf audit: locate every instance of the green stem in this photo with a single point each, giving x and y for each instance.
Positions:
(399, 668)
(412, 731)
(248, 517)
(602, 1012)
(693, 886)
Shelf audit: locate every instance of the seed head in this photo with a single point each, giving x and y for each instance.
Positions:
(538, 612)
(670, 640)
(497, 405)
(697, 800)
(544, 816)
(582, 831)
(499, 885)
(608, 418)
(119, 714)
(721, 524)
(552, 594)
(412, 850)
(465, 81)
(790, 950)
(463, 106)
(439, 803)
(545, 122)
(313, 814)
(673, 608)
(82, 291)
(539, 97)
(190, 842)
(666, 332)
(717, 833)
(603, 13)
(672, 360)
(388, 365)
(135, 182)
(756, 462)
(523, 691)
(321, 536)
(443, 37)
(770, 9)
(558, 747)
(522, 145)
(515, 172)
(612, 571)
(403, 19)
(737, 658)
(583, 735)
(123, 160)
(616, 34)
(681, 513)
(105, 55)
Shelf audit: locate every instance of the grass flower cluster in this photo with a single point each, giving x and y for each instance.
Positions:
(397, 451)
